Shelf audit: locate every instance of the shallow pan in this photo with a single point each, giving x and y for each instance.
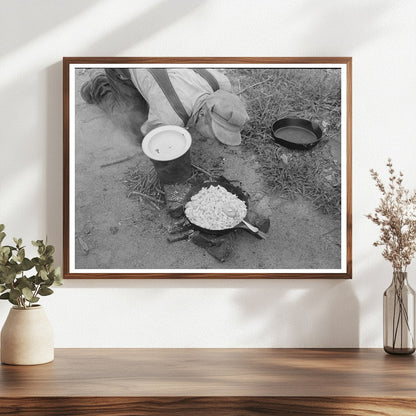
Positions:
(230, 188)
(296, 133)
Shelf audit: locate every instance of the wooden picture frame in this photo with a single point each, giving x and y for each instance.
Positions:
(107, 237)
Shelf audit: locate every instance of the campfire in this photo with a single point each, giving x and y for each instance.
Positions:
(174, 197)
(205, 207)
(217, 242)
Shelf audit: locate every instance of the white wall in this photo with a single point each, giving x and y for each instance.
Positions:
(380, 35)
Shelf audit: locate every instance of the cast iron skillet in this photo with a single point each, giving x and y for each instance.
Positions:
(230, 188)
(296, 133)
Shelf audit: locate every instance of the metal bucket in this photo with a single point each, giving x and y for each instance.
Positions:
(168, 147)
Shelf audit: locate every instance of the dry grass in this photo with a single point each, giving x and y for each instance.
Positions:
(313, 94)
(145, 185)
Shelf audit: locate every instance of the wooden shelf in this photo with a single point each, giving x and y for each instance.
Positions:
(212, 382)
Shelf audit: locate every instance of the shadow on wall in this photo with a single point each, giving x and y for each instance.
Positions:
(41, 16)
(301, 313)
(162, 15)
(158, 17)
(312, 313)
(375, 276)
(348, 24)
(4, 311)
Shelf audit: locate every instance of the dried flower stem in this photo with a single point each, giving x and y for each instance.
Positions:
(396, 217)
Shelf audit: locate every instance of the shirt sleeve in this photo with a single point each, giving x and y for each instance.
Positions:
(160, 114)
(223, 82)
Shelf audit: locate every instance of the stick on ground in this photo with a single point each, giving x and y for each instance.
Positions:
(203, 171)
(116, 162)
(150, 198)
(254, 85)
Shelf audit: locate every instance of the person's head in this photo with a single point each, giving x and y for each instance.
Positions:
(222, 116)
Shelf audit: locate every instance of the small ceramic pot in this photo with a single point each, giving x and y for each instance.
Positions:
(27, 337)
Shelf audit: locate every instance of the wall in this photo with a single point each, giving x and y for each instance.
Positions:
(380, 36)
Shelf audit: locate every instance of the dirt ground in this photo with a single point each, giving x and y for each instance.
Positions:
(115, 232)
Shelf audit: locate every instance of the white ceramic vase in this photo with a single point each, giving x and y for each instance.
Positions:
(27, 337)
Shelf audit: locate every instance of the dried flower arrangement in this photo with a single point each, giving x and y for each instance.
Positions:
(396, 217)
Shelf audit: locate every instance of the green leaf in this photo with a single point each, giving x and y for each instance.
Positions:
(14, 268)
(2, 236)
(13, 302)
(9, 277)
(5, 250)
(24, 282)
(18, 242)
(26, 264)
(37, 243)
(3, 270)
(57, 276)
(38, 280)
(41, 249)
(15, 294)
(7, 296)
(27, 293)
(2, 288)
(21, 255)
(2, 227)
(48, 282)
(47, 260)
(45, 291)
(49, 250)
(43, 274)
(4, 255)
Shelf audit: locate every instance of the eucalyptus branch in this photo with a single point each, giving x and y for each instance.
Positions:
(16, 284)
(35, 294)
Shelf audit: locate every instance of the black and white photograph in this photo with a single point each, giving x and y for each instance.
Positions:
(207, 168)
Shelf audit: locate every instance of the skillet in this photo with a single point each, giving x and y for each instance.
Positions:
(230, 188)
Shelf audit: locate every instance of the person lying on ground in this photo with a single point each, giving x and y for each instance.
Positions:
(191, 99)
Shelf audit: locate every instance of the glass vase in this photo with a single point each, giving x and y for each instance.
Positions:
(399, 316)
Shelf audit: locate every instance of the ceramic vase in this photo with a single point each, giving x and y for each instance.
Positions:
(27, 337)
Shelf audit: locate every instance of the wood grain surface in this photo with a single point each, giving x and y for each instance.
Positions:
(207, 406)
(212, 381)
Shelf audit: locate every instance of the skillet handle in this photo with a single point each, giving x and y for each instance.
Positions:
(252, 229)
(260, 234)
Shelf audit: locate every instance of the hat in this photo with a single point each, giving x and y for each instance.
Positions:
(228, 116)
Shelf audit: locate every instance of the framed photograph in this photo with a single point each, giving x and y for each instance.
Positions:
(217, 168)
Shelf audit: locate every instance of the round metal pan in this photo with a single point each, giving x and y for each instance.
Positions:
(230, 188)
(296, 133)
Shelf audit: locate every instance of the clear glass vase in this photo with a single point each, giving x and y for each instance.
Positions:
(399, 316)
